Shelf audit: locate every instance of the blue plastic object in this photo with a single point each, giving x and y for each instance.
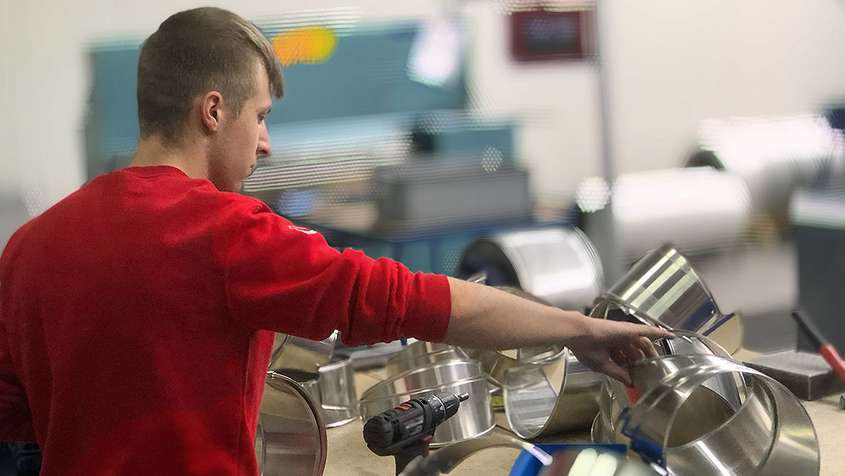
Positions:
(527, 465)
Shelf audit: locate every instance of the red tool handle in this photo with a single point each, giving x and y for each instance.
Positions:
(832, 357)
(826, 349)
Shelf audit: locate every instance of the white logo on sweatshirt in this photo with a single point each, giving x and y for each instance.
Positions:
(302, 229)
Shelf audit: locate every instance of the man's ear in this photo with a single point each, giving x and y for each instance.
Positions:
(211, 110)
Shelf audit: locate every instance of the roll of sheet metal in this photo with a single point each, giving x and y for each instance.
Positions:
(662, 289)
(474, 418)
(557, 265)
(291, 352)
(773, 156)
(550, 397)
(769, 434)
(696, 209)
(718, 398)
(291, 436)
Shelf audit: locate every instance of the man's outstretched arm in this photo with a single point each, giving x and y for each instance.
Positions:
(485, 317)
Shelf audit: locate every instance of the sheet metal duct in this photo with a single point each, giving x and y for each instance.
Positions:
(291, 435)
(776, 434)
(557, 265)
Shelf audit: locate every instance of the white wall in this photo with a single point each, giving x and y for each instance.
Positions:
(677, 62)
(672, 63)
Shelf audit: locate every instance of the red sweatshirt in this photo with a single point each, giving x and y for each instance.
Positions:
(133, 317)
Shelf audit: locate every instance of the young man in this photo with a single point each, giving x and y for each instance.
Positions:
(136, 313)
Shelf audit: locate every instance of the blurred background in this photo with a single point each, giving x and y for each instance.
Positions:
(412, 129)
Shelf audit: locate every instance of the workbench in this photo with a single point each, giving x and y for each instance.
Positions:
(348, 455)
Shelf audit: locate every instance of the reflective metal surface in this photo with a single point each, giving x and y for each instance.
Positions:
(421, 354)
(332, 389)
(338, 396)
(663, 289)
(558, 265)
(769, 434)
(291, 352)
(291, 436)
(718, 398)
(474, 417)
(552, 397)
(597, 462)
(446, 459)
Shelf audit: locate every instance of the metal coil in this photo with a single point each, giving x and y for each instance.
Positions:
(697, 209)
(773, 156)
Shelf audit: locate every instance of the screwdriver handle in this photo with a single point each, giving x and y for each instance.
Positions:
(825, 348)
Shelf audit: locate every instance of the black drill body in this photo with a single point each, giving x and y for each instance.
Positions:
(406, 430)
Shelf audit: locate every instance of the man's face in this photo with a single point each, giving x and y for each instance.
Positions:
(239, 142)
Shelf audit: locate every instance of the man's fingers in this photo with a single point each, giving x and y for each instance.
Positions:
(647, 347)
(620, 358)
(651, 332)
(626, 331)
(633, 352)
(613, 370)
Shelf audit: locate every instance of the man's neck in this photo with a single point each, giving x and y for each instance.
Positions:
(151, 151)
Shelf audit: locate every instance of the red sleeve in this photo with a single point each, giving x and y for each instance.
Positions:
(15, 417)
(288, 279)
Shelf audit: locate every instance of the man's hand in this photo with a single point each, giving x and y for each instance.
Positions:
(611, 347)
(484, 317)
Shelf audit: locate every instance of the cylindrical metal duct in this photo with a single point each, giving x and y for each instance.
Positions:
(557, 265)
(291, 436)
(776, 434)
(474, 418)
(298, 353)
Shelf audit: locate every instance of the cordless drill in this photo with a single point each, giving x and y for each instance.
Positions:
(405, 432)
